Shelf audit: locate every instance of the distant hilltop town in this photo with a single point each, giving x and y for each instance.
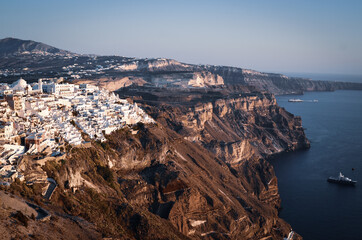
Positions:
(43, 117)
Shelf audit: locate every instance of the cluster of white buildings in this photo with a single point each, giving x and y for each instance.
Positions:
(92, 67)
(40, 117)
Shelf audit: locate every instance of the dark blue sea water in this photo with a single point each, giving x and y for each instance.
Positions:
(317, 209)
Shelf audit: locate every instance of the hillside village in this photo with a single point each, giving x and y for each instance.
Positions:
(42, 117)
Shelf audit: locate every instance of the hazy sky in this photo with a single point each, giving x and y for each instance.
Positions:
(270, 35)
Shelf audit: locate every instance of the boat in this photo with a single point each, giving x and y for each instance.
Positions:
(295, 100)
(341, 179)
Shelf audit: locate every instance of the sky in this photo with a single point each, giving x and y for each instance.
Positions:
(312, 36)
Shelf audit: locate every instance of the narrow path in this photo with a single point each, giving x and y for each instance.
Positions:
(52, 186)
(17, 203)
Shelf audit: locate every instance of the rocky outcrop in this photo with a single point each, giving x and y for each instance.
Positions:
(168, 188)
(174, 80)
(201, 195)
(281, 84)
(113, 84)
(154, 65)
(205, 79)
(162, 73)
(278, 84)
(236, 127)
(241, 130)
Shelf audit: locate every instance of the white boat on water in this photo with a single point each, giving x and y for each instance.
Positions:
(295, 100)
(341, 179)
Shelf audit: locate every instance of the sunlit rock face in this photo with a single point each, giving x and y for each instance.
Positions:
(168, 73)
(234, 131)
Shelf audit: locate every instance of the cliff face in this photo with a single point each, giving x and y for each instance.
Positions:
(280, 84)
(199, 194)
(199, 173)
(277, 83)
(220, 146)
(154, 184)
(154, 65)
(236, 127)
(241, 131)
(173, 74)
(188, 186)
(205, 79)
(183, 80)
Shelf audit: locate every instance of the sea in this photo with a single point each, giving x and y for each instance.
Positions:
(316, 209)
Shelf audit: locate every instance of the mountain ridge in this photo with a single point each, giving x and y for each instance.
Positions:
(14, 46)
(33, 60)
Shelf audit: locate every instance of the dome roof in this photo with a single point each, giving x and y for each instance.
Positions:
(19, 84)
(36, 86)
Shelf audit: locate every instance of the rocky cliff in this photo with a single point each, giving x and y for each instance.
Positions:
(281, 84)
(154, 65)
(168, 188)
(173, 74)
(183, 80)
(198, 173)
(239, 131)
(224, 118)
